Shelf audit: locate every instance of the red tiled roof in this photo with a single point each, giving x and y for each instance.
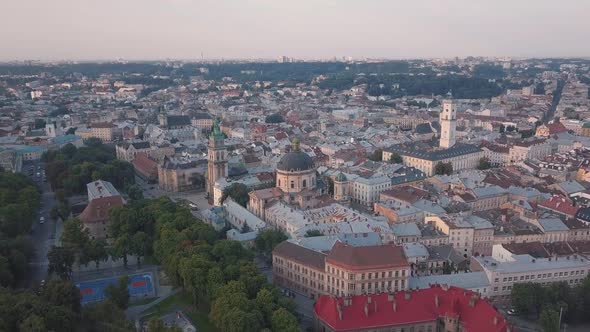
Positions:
(556, 128)
(369, 257)
(474, 314)
(560, 204)
(145, 166)
(98, 209)
(405, 193)
(267, 193)
(280, 135)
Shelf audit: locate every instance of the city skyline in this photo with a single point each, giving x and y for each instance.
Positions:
(262, 29)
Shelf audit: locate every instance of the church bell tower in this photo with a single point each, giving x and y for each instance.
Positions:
(217, 159)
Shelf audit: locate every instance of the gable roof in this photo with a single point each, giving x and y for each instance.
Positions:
(99, 208)
(369, 257)
(300, 254)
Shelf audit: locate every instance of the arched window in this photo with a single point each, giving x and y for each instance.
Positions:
(304, 183)
(292, 184)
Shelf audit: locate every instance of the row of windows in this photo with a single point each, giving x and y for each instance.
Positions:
(571, 281)
(371, 275)
(541, 276)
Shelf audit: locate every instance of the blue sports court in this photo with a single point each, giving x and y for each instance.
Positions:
(139, 285)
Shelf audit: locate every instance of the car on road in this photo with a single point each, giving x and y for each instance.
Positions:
(512, 312)
(193, 206)
(42, 220)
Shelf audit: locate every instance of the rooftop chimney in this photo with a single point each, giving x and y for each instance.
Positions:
(369, 299)
(472, 300)
(394, 305)
(366, 309)
(407, 295)
(495, 320)
(436, 300)
(339, 308)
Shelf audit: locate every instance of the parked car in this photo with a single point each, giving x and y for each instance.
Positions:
(511, 312)
(42, 220)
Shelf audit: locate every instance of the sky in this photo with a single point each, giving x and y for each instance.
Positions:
(303, 29)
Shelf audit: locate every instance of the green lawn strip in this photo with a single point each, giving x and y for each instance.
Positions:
(142, 301)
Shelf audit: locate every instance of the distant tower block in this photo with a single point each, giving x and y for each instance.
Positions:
(448, 124)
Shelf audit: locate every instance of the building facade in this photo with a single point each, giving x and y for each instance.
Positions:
(345, 270)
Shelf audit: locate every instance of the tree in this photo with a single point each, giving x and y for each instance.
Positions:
(135, 192)
(528, 298)
(238, 192)
(61, 260)
(62, 293)
(484, 163)
(396, 158)
(95, 251)
(93, 142)
(377, 155)
(549, 319)
(443, 168)
(33, 323)
(140, 244)
(313, 233)
(122, 248)
(274, 118)
(119, 293)
(74, 234)
(268, 239)
(104, 316)
(39, 123)
(282, 320)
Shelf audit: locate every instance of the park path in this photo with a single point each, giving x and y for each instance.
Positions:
(133, 313)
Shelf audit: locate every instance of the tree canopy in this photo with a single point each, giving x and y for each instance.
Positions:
(72, 168)
(484, 163)
(19, 203)
(238, 192)
(443, 168)
(275, 118)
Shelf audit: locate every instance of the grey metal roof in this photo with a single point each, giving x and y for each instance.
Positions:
(296, 161)
(471, 280)
(417, 151)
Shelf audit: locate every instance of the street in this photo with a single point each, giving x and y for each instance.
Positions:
(304, 304)
(195, 197)
(44, 235)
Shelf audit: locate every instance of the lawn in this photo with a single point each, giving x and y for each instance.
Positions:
(142, 301)
(182, 301)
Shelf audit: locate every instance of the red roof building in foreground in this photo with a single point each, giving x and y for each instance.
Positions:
(439, 308)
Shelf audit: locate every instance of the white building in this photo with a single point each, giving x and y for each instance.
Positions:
(504, 269)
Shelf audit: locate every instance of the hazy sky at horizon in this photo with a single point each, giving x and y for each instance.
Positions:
(182, 29)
